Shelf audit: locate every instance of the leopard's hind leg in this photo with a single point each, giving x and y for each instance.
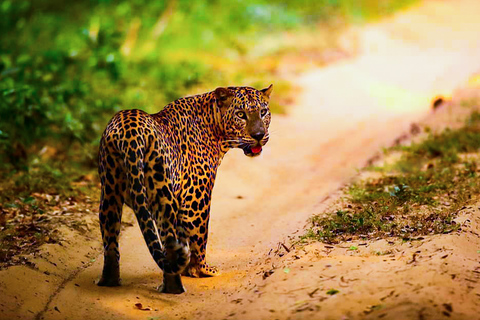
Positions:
(172, 235)
(111, 203)
(172, 254)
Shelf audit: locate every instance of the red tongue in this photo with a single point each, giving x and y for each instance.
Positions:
(256, 149)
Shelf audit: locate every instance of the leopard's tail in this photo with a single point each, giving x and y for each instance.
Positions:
(175, 257)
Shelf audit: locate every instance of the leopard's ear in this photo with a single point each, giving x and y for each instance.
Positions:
(267, 91)
(224, 97)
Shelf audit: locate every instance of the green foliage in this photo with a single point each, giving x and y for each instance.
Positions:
(44, 100)
(418, 195)
(356, 11)
(332, 292)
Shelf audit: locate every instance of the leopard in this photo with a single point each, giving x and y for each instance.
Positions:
(163, 166)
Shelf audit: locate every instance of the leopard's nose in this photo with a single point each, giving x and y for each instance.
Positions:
(258, 135)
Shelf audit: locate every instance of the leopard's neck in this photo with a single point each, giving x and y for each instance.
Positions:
(195, 115)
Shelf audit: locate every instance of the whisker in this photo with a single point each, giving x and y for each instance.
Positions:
(273, 131)
(275, 134)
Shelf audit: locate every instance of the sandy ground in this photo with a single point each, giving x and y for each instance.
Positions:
(343, 115)
(431, 277)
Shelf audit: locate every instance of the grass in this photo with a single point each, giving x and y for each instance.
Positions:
(420, 194)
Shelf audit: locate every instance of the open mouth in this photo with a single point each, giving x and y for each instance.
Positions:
(252, 151)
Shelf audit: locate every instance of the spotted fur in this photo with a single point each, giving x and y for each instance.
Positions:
(164, 165)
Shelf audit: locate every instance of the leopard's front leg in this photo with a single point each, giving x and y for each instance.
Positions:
(197, 224)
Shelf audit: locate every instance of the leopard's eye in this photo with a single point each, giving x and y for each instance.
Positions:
(241, 115)
(263, 112)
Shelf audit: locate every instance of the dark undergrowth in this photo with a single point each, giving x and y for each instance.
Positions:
(419, 194)
(36, 205)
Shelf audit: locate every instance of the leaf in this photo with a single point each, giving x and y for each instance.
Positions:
(286, 270)
(377, 307)
(28, 200)
(139, 306)
(370, 309)
(267, 274)
(332, 292)
(353, 248)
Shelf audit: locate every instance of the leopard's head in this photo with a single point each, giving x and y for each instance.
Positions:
(245, 117)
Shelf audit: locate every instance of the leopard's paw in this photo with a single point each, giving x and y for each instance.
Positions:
(209, 271)
(172, 284)
(109, 282)
(201, 271)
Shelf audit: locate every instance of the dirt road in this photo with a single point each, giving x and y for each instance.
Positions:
(343, 115)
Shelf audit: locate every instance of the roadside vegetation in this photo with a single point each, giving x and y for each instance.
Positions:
(67, 67)
(418, 194)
